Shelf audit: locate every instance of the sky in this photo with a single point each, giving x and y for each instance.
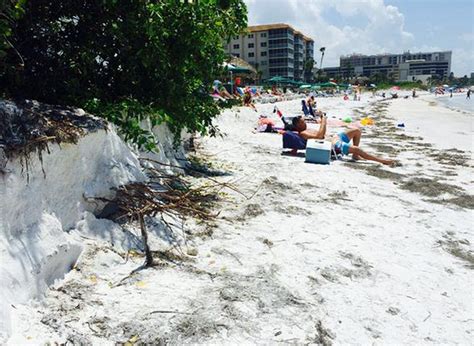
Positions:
(377, 26)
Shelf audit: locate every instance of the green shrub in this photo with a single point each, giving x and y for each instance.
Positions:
(125, 60)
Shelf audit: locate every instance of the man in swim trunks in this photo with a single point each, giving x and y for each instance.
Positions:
(341, 142)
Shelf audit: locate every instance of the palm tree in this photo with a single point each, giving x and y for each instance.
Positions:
(308, 67)
(322, 50)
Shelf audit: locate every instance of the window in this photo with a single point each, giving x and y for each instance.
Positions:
(263, 44)
(251, 55)
(236, 37)
(237, 55)
(251, 45)
(236, 46)
(263, 53)
(263, 63)
(250, 36)
(263, 34)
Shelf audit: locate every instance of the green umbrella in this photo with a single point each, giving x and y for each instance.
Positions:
(278, 79)
(305, 86)
(236, 69)
(295, 82)
(315, 87)
(327, 85)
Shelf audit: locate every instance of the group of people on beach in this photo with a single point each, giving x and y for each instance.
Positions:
(341, 142)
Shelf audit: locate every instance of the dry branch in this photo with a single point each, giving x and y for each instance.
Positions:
(163, 195)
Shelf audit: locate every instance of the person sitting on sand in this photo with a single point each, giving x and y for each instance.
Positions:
(311, 103)
(248, 99)
(340, 142)
(224, 93)
(275, 91)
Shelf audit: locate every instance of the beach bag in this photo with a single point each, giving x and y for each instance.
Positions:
(292, 140)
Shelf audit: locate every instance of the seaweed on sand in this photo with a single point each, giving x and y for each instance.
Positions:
(458, 248)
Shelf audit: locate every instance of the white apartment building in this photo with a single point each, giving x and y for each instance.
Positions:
(401, 67)
(274, 49)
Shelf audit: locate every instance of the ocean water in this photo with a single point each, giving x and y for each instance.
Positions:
(458, 102)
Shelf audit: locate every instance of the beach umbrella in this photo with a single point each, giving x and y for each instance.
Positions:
(242, 64)
(396, 87)
(445, 86)
(327, 85)
(237, 69)
(277, 79)
(233, 69)
(305, 86)
(315, 87)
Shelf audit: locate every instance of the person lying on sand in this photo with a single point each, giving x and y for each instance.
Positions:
(341, 142)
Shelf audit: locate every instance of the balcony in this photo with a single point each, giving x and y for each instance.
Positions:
(280, 36)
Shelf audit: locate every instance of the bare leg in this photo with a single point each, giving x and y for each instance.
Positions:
(356, 151)
(354, 135)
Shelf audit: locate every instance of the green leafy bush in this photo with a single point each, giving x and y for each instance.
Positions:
(125, 60)
(10, 11)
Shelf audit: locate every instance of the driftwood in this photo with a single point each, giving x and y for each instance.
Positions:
(164, 195)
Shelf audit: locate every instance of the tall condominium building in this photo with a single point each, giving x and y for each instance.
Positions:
(401, 67)
(275, 50)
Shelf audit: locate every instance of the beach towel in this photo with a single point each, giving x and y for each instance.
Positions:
(292, 140)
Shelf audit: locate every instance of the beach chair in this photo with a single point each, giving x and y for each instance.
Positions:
(304, 108)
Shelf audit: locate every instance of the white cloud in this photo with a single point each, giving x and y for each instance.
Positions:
(381, 27)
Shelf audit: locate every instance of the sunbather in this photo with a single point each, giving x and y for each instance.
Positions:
(311, 102)
(248, 99)
(340, 142)
(221, 91)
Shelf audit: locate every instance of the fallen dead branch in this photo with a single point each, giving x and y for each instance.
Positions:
(164, 195)
(202, 174)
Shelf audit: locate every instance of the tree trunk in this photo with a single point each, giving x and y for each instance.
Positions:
(148, 255)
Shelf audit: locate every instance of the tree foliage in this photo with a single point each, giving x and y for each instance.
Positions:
(10, 11)
(125, 60)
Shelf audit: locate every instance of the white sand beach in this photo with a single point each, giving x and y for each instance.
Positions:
(346, 253)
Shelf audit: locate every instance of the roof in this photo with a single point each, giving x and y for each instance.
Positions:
(265, 27)
(360, 55)
(242, 63)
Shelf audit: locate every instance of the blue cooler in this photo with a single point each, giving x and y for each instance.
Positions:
(318, 151)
